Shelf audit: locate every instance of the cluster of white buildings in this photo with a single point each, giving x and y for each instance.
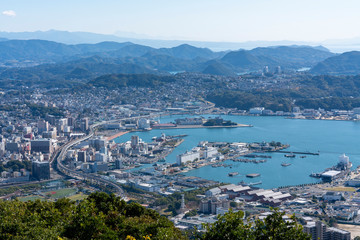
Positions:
(197, 153)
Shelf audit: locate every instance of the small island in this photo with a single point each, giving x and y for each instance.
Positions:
(218, 121)
(199, 122)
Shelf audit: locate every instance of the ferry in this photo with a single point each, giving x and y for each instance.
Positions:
(232, 174)
(285, 164)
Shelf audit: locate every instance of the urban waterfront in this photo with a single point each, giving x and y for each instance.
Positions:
(330, 138)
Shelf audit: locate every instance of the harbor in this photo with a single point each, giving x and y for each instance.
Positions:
(328, 142)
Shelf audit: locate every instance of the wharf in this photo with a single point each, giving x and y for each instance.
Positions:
(305, 153)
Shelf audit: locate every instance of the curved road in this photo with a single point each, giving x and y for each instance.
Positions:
(59, 156)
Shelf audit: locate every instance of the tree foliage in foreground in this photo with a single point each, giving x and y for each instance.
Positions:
(103, 216)
(100, 216)
(231, 226)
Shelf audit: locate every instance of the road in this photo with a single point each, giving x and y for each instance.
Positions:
(59, 156)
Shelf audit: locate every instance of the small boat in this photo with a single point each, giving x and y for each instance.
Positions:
(232, 174)
(315, 175)
(285, 164)
(302, 156)
(290, 155)
(243, 183)
(253, 175)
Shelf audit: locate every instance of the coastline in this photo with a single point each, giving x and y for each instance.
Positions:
(201, 126)
(112, 137)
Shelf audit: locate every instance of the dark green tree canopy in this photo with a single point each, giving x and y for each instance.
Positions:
(100, 216)
(104, 216)
(231, 226)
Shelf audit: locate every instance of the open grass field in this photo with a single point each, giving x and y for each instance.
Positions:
(76, 197)
(30, 198)
(61, 193)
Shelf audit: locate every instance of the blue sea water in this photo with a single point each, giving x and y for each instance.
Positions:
(330, 138)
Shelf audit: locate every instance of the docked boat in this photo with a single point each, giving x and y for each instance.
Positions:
(285, 164)
(315, 175)
(232, 174)
(254, 183)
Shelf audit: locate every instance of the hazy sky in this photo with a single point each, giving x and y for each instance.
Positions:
(210, 20)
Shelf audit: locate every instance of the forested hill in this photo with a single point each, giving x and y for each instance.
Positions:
(327, 92)
(347, 63)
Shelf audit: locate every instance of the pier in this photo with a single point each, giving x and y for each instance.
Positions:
(304, 153)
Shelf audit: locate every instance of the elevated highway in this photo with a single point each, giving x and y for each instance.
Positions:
(59, 155)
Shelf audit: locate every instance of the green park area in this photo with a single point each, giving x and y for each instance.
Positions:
(30, 198)
(78, 197)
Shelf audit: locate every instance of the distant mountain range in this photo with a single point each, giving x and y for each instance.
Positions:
(87, 37)
(32, 61)
(181, 58)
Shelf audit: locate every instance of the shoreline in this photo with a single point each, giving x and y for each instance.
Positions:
(119, 134)
(201, 126)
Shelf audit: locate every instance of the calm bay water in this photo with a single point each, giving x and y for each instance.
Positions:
(331, 138)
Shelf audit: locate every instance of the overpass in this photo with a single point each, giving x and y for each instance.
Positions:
(59, 155)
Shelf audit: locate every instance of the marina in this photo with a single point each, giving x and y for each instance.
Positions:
(246, 160)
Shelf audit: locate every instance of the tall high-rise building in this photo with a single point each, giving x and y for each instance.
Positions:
(118, 163)
(266, 70)
(40, 170)
(278, 70)
(84, 125)
(82, 156)
(43, 126)
(135, 140)
(70, 121)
